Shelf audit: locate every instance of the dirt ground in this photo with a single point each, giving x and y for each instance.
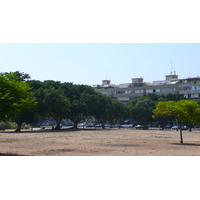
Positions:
(98, 142)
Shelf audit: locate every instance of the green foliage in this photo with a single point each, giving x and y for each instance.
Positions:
(118, 113)
(4, 126)
(187, 111)
(54, 103)
(15, 97)
(7, 125)
(20, 76)
(142, 109)
(79, 101)
(105, 109)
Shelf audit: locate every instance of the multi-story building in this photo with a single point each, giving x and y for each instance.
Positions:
(189, 88)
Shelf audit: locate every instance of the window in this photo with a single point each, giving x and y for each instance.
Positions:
(185, 88)
(120, 92)
(168, 90)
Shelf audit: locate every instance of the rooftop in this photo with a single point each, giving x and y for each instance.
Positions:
(138, 82)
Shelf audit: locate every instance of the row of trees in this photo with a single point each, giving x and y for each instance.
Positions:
(24, 100)
(55, 99)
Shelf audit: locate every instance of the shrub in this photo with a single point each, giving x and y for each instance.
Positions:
(4, 126)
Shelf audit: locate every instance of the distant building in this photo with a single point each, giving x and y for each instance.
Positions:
(125, 92)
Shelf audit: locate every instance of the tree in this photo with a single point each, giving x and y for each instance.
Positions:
(57, 105)
(80, 107)
(20, 76)
(52, 100)
(101, 107)
(142, 110)
(26, 117)
(187, 111)
(118, 112)
(15, 97)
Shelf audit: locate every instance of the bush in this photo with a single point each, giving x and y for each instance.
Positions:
(12, 125)
(25, 126)
(4, 126)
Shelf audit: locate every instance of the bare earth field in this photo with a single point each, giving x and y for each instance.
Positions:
(98, 142)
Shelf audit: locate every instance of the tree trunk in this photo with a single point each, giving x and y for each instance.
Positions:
(181, 135)
(18, 129)
(75, 124)
(58, 121)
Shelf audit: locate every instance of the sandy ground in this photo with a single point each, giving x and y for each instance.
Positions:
(98, 142)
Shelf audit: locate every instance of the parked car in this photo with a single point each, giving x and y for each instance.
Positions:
(126, 126)
(167, 127)
(54, 126)
(139, 126)
(107, 125)
(177, 127)
(90, 125)
(82, 124)
(98, 125)
(184, 128)
(68, 124)
(116, 126)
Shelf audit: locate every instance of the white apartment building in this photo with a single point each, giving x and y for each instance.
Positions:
(125, 92)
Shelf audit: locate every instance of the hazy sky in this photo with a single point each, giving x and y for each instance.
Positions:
(90, 63)
(87, 41)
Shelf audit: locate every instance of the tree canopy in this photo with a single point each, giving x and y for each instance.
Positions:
(142, 109)
(15, 97)
(187, 111)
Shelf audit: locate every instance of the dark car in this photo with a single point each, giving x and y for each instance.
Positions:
(184, 128)
(167, 127)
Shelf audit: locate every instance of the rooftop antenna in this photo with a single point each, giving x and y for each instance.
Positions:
(106, 74)
(171, 61)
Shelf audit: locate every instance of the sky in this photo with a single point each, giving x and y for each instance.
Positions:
(90, 63)
(87, 42)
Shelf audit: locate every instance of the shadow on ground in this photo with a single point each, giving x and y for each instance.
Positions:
(11, 154)
(55, 130)
(185, 144)
(121, 145)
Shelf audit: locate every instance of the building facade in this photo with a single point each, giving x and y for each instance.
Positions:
(125, 92)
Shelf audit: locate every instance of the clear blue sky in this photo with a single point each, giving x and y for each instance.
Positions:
(90, 63)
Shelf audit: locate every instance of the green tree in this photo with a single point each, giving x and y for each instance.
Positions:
(101, 107)
(29, 116)
(118, 113)
(20, 76)
(79, 101)
(52, 100)
(142, 110)
(15, 97)
(56, 104)
(26, 117)
(187, 111)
